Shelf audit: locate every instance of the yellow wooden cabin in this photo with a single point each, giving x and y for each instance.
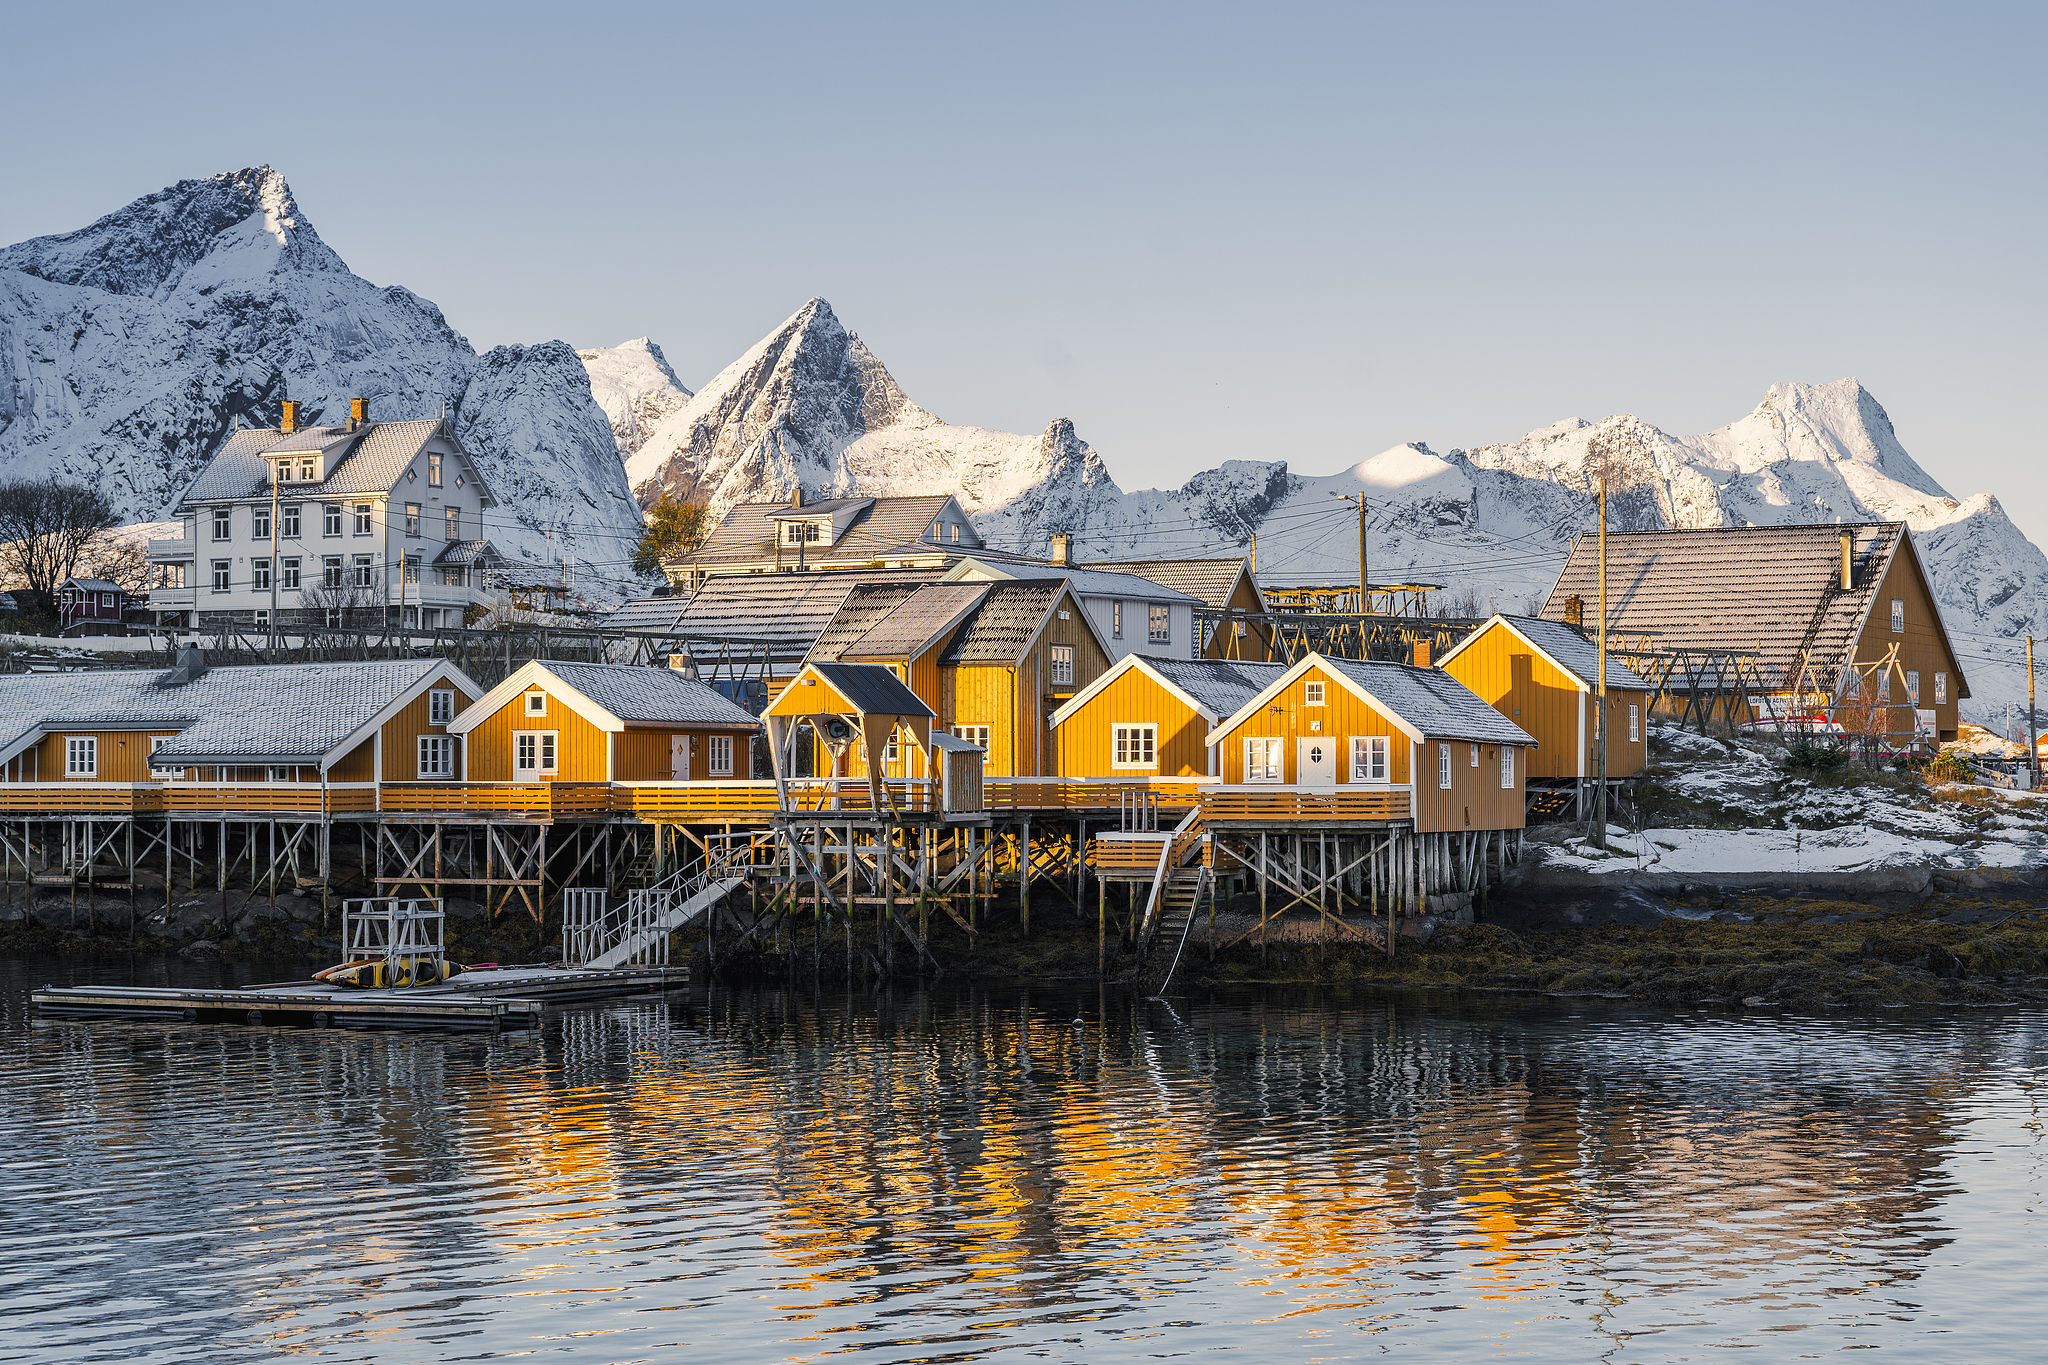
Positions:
(1372, 742)
(1543, 676)
(992, 660)
(575, 722)
(1150, 718)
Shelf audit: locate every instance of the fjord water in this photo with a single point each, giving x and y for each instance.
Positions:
(1036, 1172)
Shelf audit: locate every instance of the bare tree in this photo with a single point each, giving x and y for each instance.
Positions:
(354, 605)
(118, 558)
(45, 525)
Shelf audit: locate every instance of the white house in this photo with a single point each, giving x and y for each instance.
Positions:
(319, 524)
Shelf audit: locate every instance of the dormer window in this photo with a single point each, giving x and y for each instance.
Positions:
(802, 532)
(306, 470)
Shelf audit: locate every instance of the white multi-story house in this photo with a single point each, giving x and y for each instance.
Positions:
(368, 522)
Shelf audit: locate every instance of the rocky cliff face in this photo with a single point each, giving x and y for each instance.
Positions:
(634, 385)
(129, 348)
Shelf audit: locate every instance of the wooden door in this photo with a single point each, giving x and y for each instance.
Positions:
(679, 757)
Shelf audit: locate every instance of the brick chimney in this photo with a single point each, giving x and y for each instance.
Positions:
(358, 412)
(289, 422)
(1062, 547)
(1848, 563)
(1575, 612)
(796, 499)
(1422, 654)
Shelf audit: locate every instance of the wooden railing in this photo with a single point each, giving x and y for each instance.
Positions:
(1283, 804)
(527, 800)
(151, 798)
(1129, 855)
(1090, 793)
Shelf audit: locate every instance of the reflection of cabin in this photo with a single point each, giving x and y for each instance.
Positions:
(1542, 675)
(992, 661)
(1373, 730)
(1151, 717)
(1838, 618)
(574, 722)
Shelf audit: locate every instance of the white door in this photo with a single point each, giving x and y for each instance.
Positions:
(679, 757)
(1316, 762)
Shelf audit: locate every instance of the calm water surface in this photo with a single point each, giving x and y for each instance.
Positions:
(964, 1175)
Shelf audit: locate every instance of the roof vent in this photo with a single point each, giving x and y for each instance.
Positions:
(1848, 563)
(191, 666)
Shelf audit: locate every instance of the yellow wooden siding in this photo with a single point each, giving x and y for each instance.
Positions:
(1038, 696)
(122, 756)
(1086, 740)
(1342, 716)
(1525, 687)
(983, 696)
(1920, 646)
(579, 748)
(359, 764)
(402, 732)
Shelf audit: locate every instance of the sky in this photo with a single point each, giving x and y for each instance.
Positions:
(1302, 232)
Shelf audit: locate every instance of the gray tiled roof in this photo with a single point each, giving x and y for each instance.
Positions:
(1221, 685)
(646, 613)
(1005, 622)
(893, 524)
(1088, 582)
(860, 611)
(467, 552)
(1762, 590)
(872, 689)
(790, 610)
(1210, 580)
(92, 585)
(1433, 702)
(1575, 653)
(376, 459)
(928, 613)
(651, 696)
(271, 713)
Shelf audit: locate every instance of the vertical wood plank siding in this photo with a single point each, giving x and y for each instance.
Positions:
(1919, 645)
(1533, 693)
(579, 752)
(1086, 741)
(122, 756)
(402, 732)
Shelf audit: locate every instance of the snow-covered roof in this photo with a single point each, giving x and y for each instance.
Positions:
(1087, 582)
(92, 585)
(788, 610)
(467, 552)
(376, 457)
(646, 613)
(888, 527)
(651, 696)
(259, 714)
(1566, 648)
(1007, 621)
(1426, 703)
(1213, 688)
(1210, 580)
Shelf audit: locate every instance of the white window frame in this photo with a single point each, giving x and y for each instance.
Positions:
(437, 756)
(278, 772)
(440, 705)
(1371, 758)
(1133, 744)
(333, 571)
(412, 521)
(1116, 620)
(1475, 755)
(721, 756)
(547, 753)
(162, 774)
(451, 520)
(1443, 766)
(82, 757)
(1635, 723)
(1898, 616)
(1159, 625)
(1507, 766)
(223, 575)
(365, 571)
(259, 575)
(1312, 694)
(259, 523)
(536, 703)
(433, 469)
(1912, 687)
(973, 734)
(364, 514)
(1063, 664)
(1884, 686)
(330, 519)
(288, 573)
(223, 524)
(288, 519)
(1267, 762)
(1941, 689)
(106, 599)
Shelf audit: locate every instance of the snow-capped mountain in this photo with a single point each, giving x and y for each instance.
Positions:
(634, 385)
(129, 348)
(811, 405)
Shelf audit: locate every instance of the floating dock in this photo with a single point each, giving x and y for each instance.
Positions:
(480, 1000)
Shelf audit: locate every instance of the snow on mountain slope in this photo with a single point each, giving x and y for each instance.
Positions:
(129, 348)
(634, 385)
(811, 405)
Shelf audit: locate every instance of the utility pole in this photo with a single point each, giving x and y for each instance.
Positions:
(1600, 701)
(1364, 585)
(2034, 760)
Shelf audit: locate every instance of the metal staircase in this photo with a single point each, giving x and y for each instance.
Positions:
(597, 933)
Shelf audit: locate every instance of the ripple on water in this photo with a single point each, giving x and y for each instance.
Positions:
(765, 1175)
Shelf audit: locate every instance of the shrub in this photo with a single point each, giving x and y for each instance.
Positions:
(1949, 767)
(1809, 757)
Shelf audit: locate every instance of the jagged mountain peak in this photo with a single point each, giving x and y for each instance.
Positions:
(635, 386)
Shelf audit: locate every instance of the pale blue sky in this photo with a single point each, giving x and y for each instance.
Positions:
(1302, 233)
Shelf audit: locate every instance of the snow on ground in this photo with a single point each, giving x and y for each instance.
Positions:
(1800, 825)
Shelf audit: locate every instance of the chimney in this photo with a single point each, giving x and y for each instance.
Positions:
(191, 666)
(796, 499)
(289, 423)
(683, 662)
(1061, 543)
(1575, 612)
(1422, 654)
(1848, 563)
(358, 412)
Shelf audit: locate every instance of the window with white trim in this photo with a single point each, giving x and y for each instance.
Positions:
(162, 774)
(1116, 620)
(1063, 664)
(1134, 746)
(1443, 766)
(223, 524)
(1912, 687)
(1898, 616)
(330, 519)
(81, 756)
(1884, 686)
(721, 755)
(1507, 765)
(973, 734)
(1635, 723)
(1941, 689)
(1263, 760)
(1475, 755)
(536, 703)
(1312, 694)
(1158, 625)
(362, 518)
(288, 521)
(288, 575)
(277, 773)
(533, 752)
(259, 523)
(1369, 758)
(259, 575)
(330, 571)
(437, 756)
(222, 570)
(440, 705)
